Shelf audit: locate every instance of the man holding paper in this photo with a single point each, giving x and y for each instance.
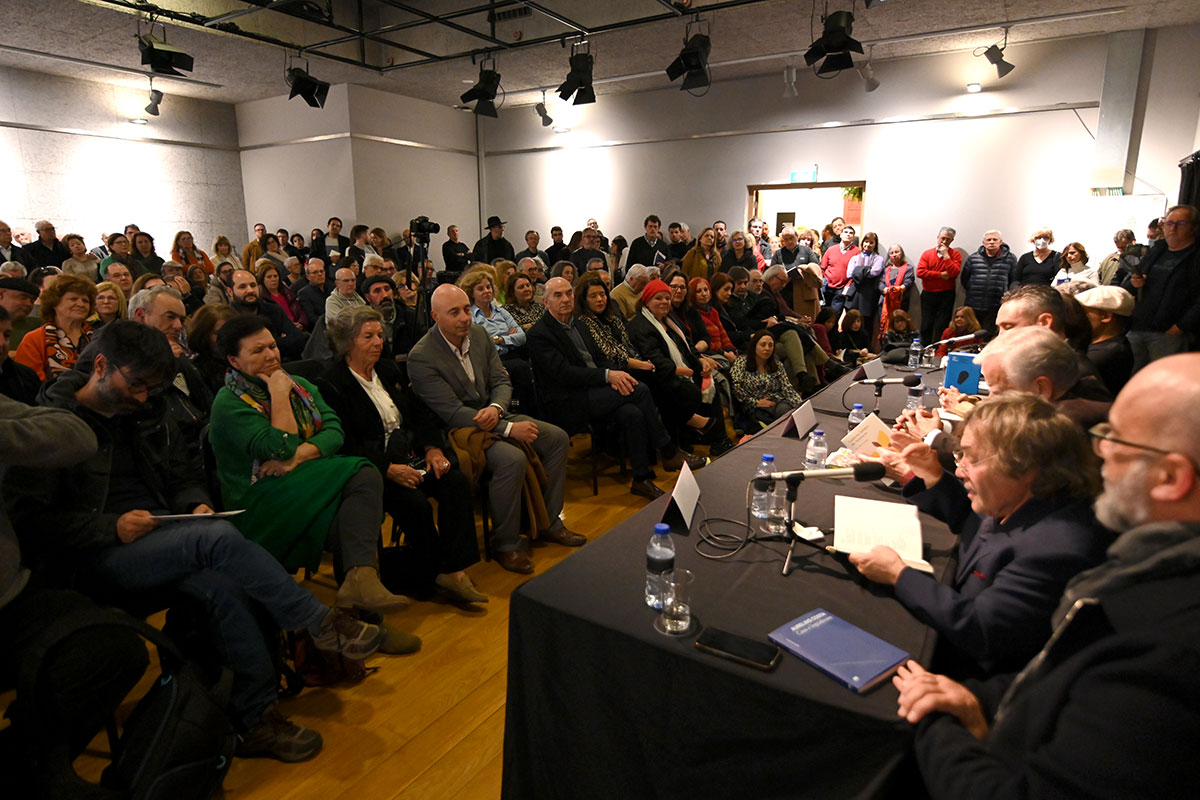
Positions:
(1022, 511)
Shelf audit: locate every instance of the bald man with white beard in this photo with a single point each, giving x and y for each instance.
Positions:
(1111, 706)
(457, 372)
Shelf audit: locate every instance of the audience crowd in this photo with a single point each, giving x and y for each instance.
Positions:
(317, 384)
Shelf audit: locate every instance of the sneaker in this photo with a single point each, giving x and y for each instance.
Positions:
(279, 738)
(342, 633)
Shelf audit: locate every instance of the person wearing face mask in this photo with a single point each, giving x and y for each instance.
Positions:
(1040, 264)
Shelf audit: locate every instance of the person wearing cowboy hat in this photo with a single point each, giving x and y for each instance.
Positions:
(493, 245)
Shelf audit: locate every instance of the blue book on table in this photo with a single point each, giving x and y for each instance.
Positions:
(844, 652)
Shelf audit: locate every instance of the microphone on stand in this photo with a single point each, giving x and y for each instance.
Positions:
(908, 380)
(862, 472)
(978, 336)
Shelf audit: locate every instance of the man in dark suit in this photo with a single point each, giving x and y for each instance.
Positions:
(9, 249)
(316, 290)
(570, 368)
(333, 240)
(456, 370)
(46, 250)
(494, 245)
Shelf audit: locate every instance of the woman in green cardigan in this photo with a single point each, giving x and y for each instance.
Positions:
(275, 442)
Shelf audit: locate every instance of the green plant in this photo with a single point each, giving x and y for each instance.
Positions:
(853, 192)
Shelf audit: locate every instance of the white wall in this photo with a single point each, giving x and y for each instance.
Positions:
(1014, 171)
(105, 172)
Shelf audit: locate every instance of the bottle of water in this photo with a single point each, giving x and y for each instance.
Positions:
(818, 449)
(759, 497)
(660, 559)
(914, 394)
(914, 354)
(857, 415)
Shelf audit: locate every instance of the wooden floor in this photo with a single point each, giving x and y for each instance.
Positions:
(429, 725)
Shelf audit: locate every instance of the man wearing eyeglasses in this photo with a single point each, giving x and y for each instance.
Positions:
(344, 295)
(1166, 284)
(1110, 706)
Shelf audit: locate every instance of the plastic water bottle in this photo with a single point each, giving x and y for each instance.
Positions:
(759, 499)
(914, 394)
(914, 353)
(857, 415)
(660, 558)
(818, 449)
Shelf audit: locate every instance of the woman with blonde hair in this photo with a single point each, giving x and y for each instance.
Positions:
(223, 253)
(111, 304)
(703, 260)
(963, 322)
(1040, 264)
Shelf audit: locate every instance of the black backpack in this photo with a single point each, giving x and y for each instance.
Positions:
(178, 741)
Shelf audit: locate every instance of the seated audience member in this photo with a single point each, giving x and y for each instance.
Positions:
(900, 333)
(856, 337)
(536, 270)
(506, 335)
(202, 329)
(55, 346)
(223, 253)
(184, 250)
(1108, 310)
(144, 255)
(293, 272)
(387, 425)
(315, 290)
(580, 385)
(172, 273)
(275, 289)
(1077, 329)
(457, 372)
(760, 386)
(742, 301)
(565, 269)
(684, 316)
(503, 269)
(110, 305)
(197, 282)
(603, 323)
(962, 323)
(1023, 515)
(626, 293)
(344, 296)
(275, 442)
(678, 375)
(795, 340)
(699, 300)
(589, 248)
(722, 296)
(119, 274)
(521, 305)
(84, 678)
(219, 283)
(400, 329)
(13, 269)
(120, 252)
(1109, 707)
(147, 281)
(17, 381)
(96, 521)
(532, 239)
(81, 261)
(243, 298)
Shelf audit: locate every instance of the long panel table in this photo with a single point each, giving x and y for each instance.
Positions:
(600, 705)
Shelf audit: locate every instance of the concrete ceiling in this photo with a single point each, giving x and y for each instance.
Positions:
(755, 38)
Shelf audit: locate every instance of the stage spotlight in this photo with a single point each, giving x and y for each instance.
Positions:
(692, 63)
(789, 81)
(579, 79)
(835, 44)
(995, 55)
(306, 86)
(867, 73)
(484, 91)
(540, 109)
(163, 58)
(156, 97)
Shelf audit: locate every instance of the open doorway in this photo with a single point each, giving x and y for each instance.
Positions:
(808, 205)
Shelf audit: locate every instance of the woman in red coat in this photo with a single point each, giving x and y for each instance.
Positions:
(700, 299)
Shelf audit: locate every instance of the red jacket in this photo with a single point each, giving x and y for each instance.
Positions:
(717, 335)
(931, 267)
(834, 263)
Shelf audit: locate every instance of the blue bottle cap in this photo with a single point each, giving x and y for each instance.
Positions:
(662, 527)
(767, 457)
(818, 432)
(858, 406)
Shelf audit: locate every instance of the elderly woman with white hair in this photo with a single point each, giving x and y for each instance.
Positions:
(1020, 501)
(1040, 264)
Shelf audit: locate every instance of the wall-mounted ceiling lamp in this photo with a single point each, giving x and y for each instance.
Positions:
(789, 81)
(156, 97)
(692, 62)
(161, 57)
(579, 79)
(540, 110)
(485, 89)
(867, 73)
(303, 85)
(995, 55)
(974, 88)
(138, 121)
(835, 44)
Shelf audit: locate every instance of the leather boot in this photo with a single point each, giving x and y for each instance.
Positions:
(362, 589)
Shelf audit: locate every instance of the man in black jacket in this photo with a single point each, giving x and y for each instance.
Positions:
(333, 240)
(316, 289)
(589, 249)
(494, 245)
(17, 381)
(570, 368)
(46, 250)
(1110, 707)
(99, 522)
(1166, 285)
(243, 296)
(649, 250)
(456, 256)
(985, 276)
(10, 250)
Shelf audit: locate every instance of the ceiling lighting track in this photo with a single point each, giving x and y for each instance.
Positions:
(145, 73)
(274, 5)
(435, 19)
(559, 18)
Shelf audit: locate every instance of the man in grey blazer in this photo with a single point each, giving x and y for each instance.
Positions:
(456, 370)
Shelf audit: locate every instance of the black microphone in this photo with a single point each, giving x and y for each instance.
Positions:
(977, 336)
(863, 472)
(907, 380)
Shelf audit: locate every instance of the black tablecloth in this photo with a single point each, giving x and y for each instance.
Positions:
(841, 396)
(601, 705)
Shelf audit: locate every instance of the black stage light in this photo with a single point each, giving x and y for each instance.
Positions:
(579, 80)
(836, 62)
(835, 44)
(156, 97)
(995, 55)
(692, 63)
(306, 86)
(540, 110)
(163, 58)
(484, 91)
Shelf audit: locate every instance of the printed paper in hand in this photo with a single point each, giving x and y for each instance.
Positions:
(860, 524)
(868, 437)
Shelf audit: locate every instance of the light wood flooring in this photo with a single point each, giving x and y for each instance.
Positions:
(429, 725)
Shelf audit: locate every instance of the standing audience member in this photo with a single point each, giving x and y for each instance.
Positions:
(1166, 285)
(46, 250)
(986, 275)
(895, 287)
(493, 245)
(1115, 268)
(835, 263)
(1040, 264)
(81, 261)
(532, 239)
(938, 269)
(862, 287)
(649, 249)
(1108, 311)
(702, 260)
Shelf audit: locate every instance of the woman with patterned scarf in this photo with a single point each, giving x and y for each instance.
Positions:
(275, 442)
(65, 303)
